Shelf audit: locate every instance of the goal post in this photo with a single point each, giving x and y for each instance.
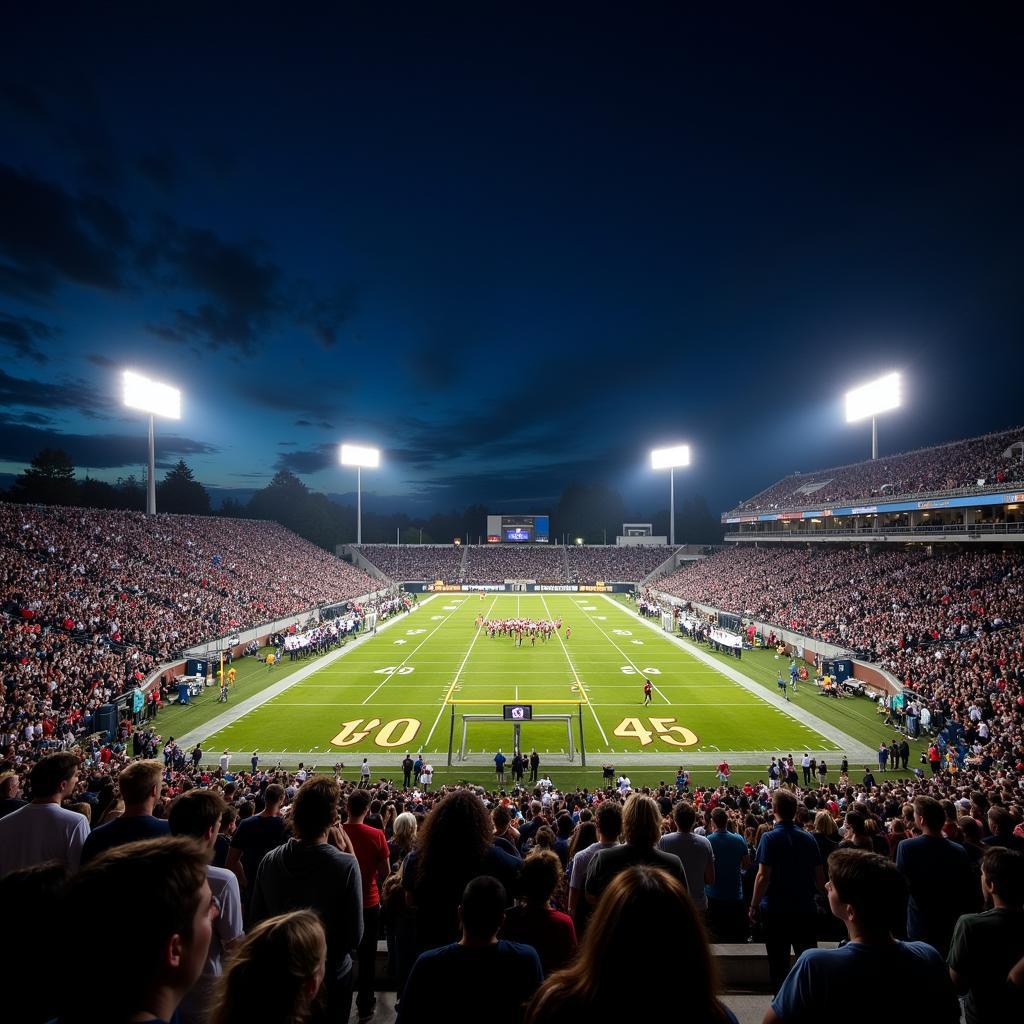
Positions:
(469, 712)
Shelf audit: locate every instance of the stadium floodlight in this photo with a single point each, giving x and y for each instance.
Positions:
(158, 400)
(670, 458)
(871, 399)
(360, 457)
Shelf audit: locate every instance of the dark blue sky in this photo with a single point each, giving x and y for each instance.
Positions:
(514, 245)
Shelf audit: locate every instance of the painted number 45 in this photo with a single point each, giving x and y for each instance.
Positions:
(664, 728)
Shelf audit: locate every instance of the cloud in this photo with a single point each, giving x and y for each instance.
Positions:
(319, 424)
(161, 169)
(22, 335)
(98, 359)
(324, 456)
(66, 394)
(241, 291)
(20, 443)
(48, 236)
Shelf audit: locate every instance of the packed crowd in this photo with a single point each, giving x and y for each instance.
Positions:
(494, 563)
(91, 602)
(402, 562)
(267, 893)
(949, 625)
(588, 563)
(944, 468)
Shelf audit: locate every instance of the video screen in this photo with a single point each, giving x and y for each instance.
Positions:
(518, 535)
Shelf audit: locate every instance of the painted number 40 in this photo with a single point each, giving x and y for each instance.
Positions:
(355, 732)
(664, 728)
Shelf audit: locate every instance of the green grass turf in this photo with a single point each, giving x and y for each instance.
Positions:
(389, 693)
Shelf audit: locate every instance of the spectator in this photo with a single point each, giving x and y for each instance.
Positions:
(609, 827)
(32, 898)
(1000, 825)
(10, 788)
(455, 846)
(865, 891)
(726, 912)
(641, 828)
(161, 961)
(275, 973)
(789, 872)
(371, 851)
(465, 971)
(311, 872)
(644, 918)
(255, 837)
(939, 876)
(402, 839)
(196, 815)
(42, 830)
(140, 784)
(550, 932)
(986, 946)
(695, 852)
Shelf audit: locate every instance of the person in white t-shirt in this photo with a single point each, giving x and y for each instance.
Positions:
(224, 761)
(624, 784)
(197, 814)
(426, 776)
(43, 830)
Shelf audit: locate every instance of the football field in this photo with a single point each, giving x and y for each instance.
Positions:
(408, 687)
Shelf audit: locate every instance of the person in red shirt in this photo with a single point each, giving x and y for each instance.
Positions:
(532, 921)
(647, 691)
(371, 850)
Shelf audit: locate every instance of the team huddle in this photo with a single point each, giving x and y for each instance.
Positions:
(517, 629)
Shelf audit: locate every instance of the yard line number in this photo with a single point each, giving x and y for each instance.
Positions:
(664, 729)
(355, 732)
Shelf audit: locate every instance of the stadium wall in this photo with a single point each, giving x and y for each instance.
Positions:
(872, 675)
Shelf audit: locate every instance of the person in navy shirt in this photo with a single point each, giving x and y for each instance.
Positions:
(726, 917)
(789, 873)
(457, 982)
(140, 784)
(942, 882)
(866, 892)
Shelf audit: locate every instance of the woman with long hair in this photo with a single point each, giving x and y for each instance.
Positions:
(454, 846)
(275, 973)
(533, 921)
(644, 917)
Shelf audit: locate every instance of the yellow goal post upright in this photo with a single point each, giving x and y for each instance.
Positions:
(516, 713)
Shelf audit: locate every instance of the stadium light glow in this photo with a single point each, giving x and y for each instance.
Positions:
(670, 458)
(151, 396)
(157, 399)
(868, 400)
(360, 457)
(357, 455)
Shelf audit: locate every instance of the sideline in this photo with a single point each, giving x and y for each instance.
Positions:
(852, 748)
(232, 715)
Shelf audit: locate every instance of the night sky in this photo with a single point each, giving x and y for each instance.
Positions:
(513, 245)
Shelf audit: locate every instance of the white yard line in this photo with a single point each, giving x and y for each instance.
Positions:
(228, 717)
(391, 674)
(579, 682)
(447, 696)
(634, 665)
(854, 749)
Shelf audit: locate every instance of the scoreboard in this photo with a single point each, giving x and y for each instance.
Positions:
(518, 529)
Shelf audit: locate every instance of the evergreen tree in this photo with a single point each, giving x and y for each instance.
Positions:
(49, 480)
(180, 492)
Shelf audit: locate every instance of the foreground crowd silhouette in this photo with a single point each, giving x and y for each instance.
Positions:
(260, 895)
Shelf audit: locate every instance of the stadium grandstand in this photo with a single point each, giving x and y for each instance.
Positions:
(97, 603)
(950, 489)
(576, 563)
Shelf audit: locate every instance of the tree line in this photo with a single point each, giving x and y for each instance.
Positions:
(594, 512)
